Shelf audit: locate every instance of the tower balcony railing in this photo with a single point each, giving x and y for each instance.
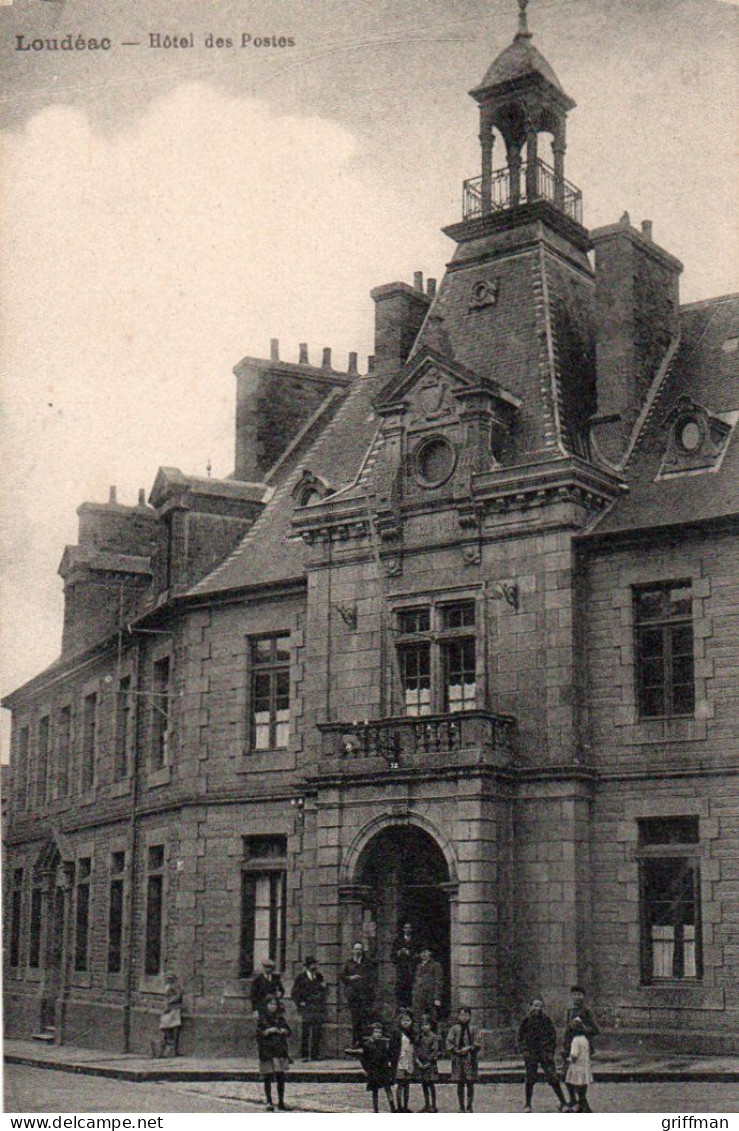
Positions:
(521, 184)
(417, 742)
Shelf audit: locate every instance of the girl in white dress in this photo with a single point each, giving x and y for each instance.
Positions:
(579, 1074)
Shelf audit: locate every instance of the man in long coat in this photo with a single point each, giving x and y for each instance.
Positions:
(428, 986)
(309, 994)
(359, 979)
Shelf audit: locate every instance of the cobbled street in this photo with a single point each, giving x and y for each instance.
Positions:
(41, 1090)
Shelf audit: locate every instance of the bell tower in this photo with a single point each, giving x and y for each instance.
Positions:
(521, 97)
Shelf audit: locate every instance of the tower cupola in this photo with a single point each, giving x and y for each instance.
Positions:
(521, 97)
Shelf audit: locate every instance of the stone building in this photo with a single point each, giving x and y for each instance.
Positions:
(457, 643)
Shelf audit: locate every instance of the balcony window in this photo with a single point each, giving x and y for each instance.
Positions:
(437, 658)
(270, 692)
(664, 650)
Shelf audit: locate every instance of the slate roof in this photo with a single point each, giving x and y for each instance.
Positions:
(518, 60)
(271, 552)
(708, 372)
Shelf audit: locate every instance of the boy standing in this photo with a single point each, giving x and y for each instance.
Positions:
(537, 1039)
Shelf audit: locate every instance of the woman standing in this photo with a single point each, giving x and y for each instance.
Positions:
(170, 1020)
(274, 1058)
(463, 1044)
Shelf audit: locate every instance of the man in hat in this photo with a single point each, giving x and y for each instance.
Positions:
(265, 985)
(578, 1008)
(359, 978)
(428, 983)
(309, 994)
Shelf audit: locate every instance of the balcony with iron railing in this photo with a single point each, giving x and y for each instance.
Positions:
(418, 743)
(515, 185)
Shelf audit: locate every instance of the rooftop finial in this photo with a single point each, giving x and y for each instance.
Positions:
(523, 27)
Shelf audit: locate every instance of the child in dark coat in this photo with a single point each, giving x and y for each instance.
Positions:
(537, 1040)
(379, 1067)
(463, 1044)
(274, 1057)
(427, 1050)
(402, 1051)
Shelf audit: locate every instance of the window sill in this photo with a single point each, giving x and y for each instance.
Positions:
(120, 788)
(115, 981)
(676, 728)
(81, 978)
(259, 761)
(158, 777)
(151, 984)
(676, 993)
(34, 974)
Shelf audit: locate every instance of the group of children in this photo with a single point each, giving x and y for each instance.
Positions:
(407, 1055)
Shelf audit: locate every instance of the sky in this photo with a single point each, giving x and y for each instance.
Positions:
(164, 212)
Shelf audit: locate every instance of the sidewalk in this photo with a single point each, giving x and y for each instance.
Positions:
(616, 1067)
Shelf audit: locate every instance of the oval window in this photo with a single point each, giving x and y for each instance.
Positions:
(435, 461)
(690, 436)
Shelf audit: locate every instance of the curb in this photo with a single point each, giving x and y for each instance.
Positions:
(352, 1076)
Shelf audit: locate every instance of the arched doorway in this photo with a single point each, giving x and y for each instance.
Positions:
(404, 876)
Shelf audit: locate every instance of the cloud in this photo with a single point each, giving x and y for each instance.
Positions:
(136, 269)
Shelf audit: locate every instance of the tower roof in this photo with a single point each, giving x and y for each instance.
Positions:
(520, 60)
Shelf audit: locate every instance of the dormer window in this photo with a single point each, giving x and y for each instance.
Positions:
(309, 489)
(696, 438)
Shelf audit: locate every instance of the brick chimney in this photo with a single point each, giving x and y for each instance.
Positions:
(399, 314)
(637, 306)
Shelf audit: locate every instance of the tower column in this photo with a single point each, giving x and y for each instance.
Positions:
(532, 157)
(558, 149)
(514, 166)
(486, 185)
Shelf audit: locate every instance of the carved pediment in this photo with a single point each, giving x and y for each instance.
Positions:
(431, 384)
(695, 438)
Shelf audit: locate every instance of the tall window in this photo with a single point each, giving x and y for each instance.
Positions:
(414, 659)
(270, 692)
(16, 920)
(82, 914)
(670, 898)
(42, 761)
(437, 658)
(64, 746)
(35, 928)
(122, 728)
(154, 909)
(116, 912)
(89, 740)
(22, 767)
(160, 714)
(664, 650)
(263, 903)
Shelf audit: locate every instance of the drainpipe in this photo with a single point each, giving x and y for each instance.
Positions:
(133, 850)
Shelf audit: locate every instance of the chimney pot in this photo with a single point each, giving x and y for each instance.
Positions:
(646, 229)
(418, 280)
(431, 288)
(353, 368)
(371, 363)
(112, 495)
(326, 363)
(142, 497)
(303, 358)
(274, 349)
